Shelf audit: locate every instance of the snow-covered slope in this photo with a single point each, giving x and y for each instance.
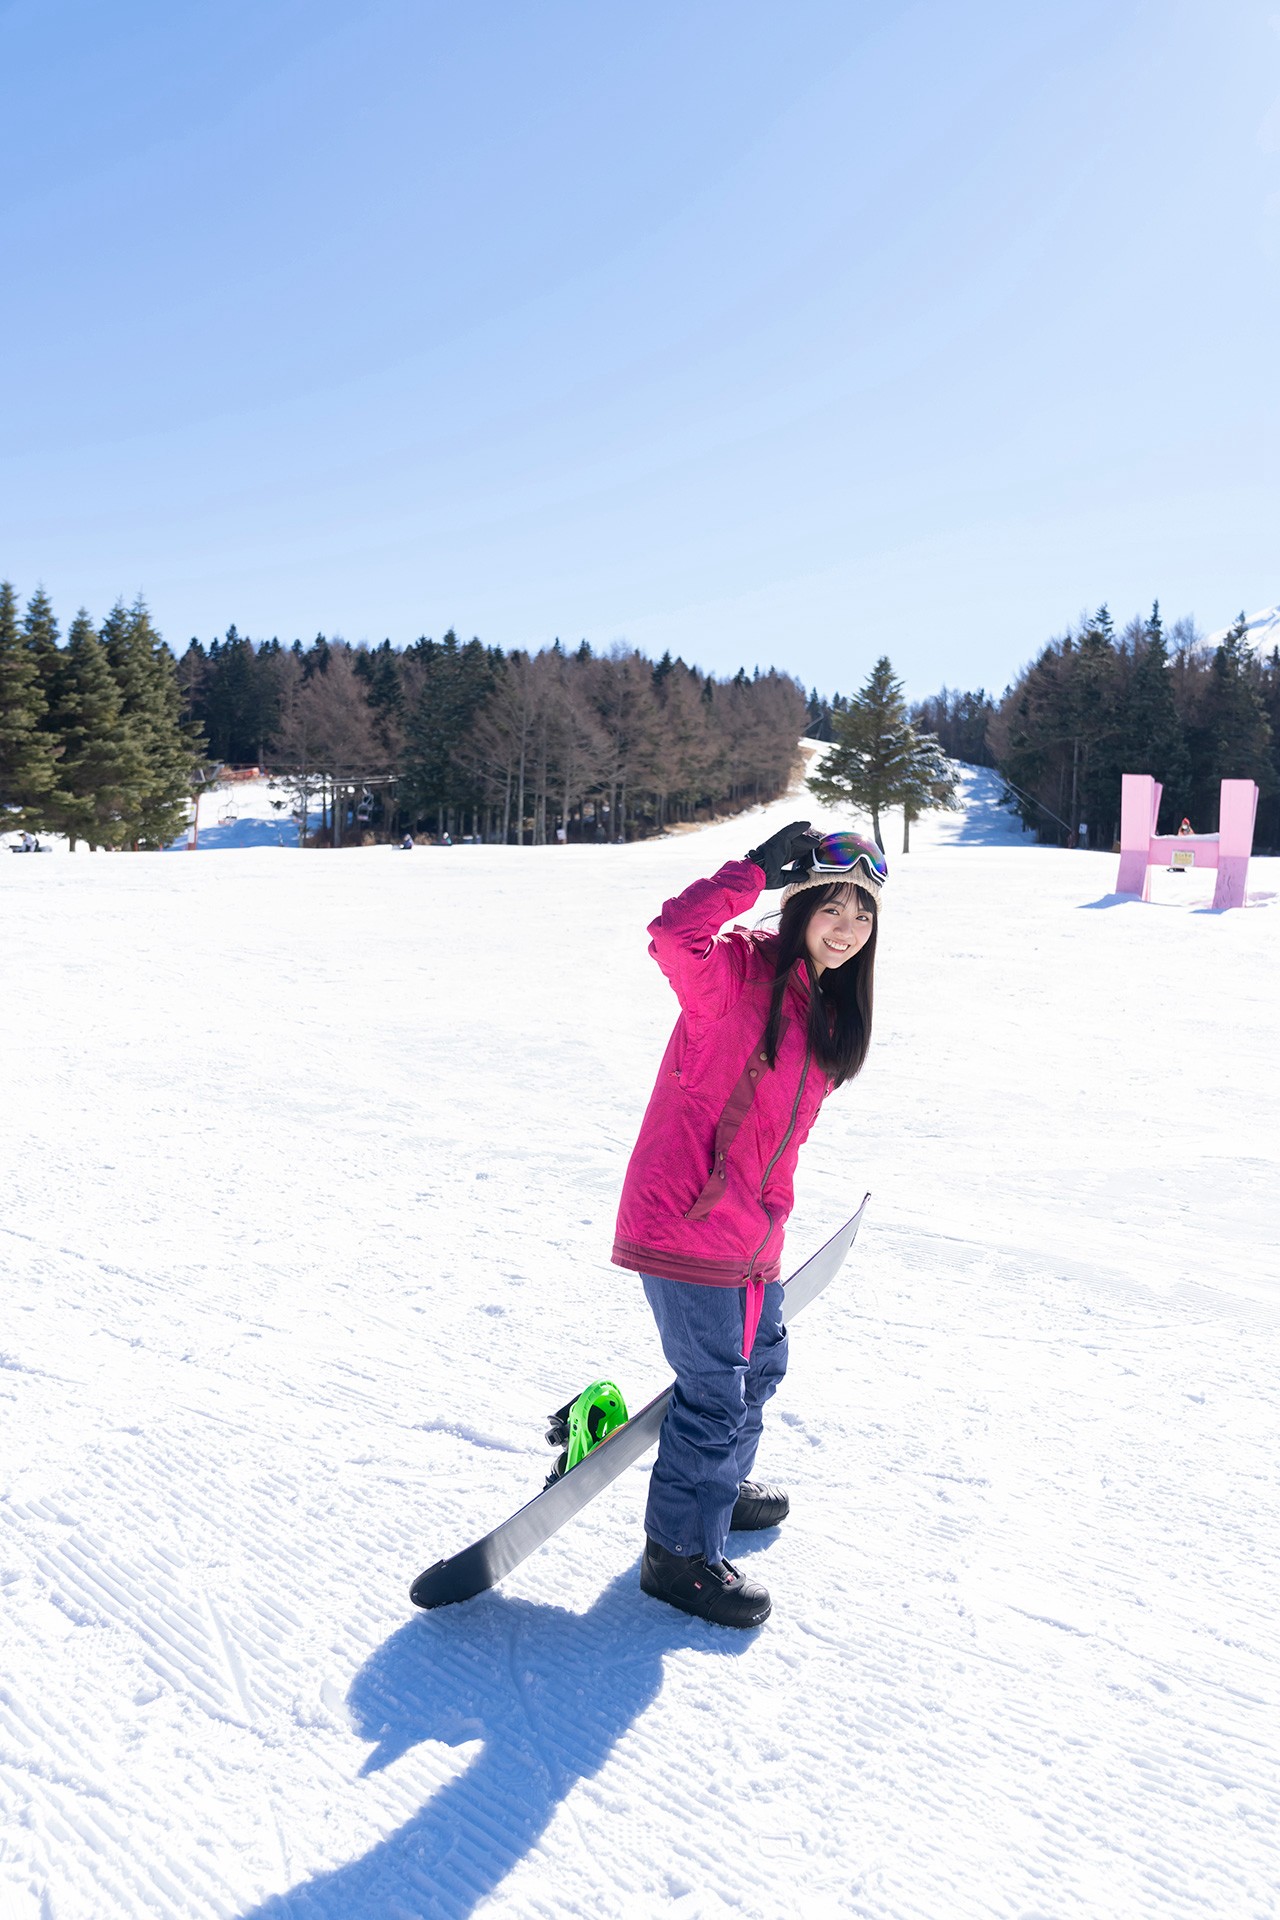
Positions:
(239, 814)
(312, 1166)
(245, 813)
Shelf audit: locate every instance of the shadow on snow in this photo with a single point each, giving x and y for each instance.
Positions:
(241, 833)
(985, 819)
(548, 1692)
(1172, 906)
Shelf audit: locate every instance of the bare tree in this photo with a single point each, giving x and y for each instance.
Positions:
(327, 739)
(580, 749)
(502, 744)
(628, 715)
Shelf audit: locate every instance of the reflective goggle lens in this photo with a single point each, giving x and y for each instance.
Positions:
(842, 852)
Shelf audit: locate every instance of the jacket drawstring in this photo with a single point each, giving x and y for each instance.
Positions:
(751, 1316)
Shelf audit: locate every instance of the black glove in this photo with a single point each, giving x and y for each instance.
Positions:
(788, 844)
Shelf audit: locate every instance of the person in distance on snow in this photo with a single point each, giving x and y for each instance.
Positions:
(770, 1023)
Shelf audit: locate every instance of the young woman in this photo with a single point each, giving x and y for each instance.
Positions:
(770, 1023)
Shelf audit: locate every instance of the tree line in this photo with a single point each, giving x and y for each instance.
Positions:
(1096, 703)
(107, 736)
(460, 738)
(94, 742)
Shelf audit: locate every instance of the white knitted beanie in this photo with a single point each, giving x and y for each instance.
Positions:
(858, 878)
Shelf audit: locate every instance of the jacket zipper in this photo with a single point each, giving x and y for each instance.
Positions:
(778, 1152)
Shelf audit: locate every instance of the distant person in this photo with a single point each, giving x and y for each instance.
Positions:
(29, 842)
(407, 843)
(770, 1023)
(446, 840)
(1178, 863)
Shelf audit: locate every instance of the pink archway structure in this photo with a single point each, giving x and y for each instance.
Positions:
(1141, 848)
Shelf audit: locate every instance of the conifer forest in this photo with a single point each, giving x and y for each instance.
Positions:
(105, 738)
(105, 734)
(1099, 702)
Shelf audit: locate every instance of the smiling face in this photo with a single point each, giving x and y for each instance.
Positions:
(838, 929)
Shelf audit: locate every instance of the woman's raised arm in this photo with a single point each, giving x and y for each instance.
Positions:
(706, 972)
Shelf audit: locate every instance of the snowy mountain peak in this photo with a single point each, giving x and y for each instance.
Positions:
(1263, 631)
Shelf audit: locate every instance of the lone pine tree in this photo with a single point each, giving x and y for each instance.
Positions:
(877, 760)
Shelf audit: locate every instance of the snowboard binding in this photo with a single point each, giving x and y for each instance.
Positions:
(582, 1424)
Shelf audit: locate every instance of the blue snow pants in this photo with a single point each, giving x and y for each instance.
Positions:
(708, 1442)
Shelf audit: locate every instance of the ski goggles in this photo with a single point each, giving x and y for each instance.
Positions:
(846, 852)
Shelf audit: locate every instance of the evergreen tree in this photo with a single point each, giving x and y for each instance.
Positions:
(1237, 731)
(1268, 833)
(316, 657)
(1152, 733)
(151, 699)
(28, 752)
(269, 686)
(230, 707)
(869, 761)
(817, 724)
(193, 672)
(960, 721)
(1093, 713)
(103, 772)
(40, 631)
(384, 690)
(452, 683)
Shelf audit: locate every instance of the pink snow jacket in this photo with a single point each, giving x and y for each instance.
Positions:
(708, 1189)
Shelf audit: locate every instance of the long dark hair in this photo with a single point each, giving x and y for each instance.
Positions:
(840, 999)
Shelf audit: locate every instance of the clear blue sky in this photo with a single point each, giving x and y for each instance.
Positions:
(769, 333)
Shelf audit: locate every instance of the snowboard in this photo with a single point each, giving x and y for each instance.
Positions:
(480, 1566)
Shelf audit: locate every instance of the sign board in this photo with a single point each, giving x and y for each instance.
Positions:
(1184, 857)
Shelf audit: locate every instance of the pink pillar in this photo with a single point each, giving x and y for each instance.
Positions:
(1139, 808)
(1237, 811)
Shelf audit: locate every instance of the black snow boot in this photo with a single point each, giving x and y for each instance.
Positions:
(717, 1593)
(758, 1507)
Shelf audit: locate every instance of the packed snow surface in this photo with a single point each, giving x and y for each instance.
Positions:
(313, 1160)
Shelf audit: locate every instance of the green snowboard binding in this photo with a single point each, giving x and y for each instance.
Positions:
(582, 1424)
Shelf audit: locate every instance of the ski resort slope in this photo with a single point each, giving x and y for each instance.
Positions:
(313, 1160)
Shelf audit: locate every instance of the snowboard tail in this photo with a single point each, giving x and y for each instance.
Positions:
(481, 1565)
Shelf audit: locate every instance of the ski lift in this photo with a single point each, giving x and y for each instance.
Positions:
(228, 817)
(364, 812)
